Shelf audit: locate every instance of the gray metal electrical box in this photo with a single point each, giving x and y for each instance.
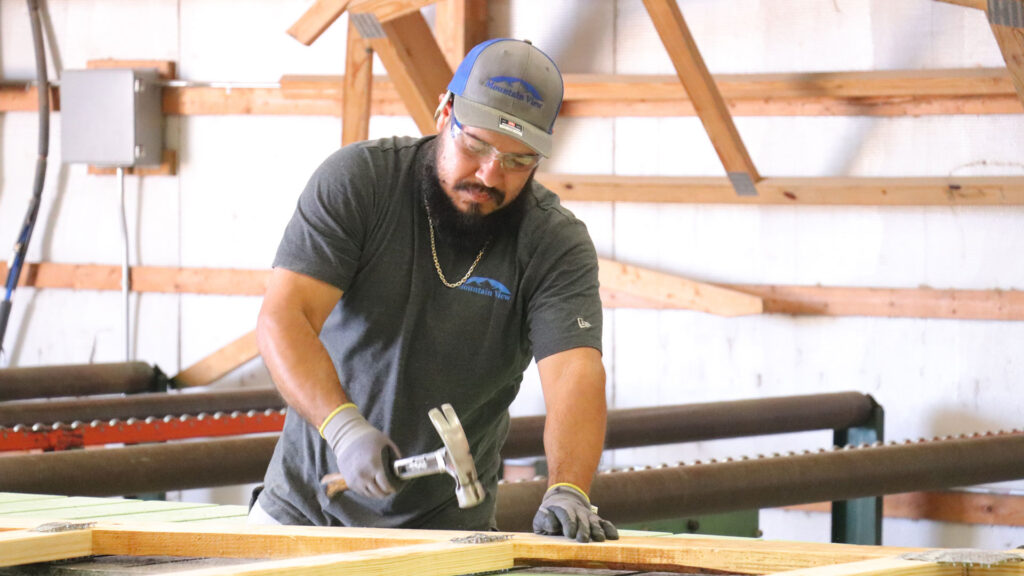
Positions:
(111, 117)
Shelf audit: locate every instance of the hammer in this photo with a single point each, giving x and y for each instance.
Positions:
(453, 459)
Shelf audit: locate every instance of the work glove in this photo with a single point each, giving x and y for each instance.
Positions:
(365, 455)
(566, 510)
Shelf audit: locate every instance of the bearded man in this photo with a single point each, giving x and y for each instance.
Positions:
(418, 272)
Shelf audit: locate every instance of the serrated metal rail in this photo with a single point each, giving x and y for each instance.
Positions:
(62, 436)
(781, 479)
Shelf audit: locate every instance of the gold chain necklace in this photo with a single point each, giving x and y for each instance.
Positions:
(437, 264)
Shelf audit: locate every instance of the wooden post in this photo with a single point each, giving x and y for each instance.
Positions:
(355, 115)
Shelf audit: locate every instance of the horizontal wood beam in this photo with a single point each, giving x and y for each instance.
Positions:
(925, 191)
(979, 4)
(958, 507)
(25, 547)
(876, 93)
(777, 299)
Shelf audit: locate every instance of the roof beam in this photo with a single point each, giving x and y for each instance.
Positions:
(459, 25)
(1007, 20)
(316, 19)
(711, 108)
(356, 104)
(979, 4)
(413, 60)
(926, 191)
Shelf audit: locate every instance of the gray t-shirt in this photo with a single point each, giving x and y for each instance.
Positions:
(403, 343)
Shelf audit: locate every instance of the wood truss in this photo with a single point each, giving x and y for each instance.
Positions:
(295, 550)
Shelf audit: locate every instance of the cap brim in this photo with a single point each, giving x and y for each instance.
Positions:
(479, 116)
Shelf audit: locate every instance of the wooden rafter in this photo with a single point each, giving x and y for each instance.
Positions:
(924, 191)
(979, 4)
(872, 93)
(459, 25)
(355, 115)
(415, 64)
(220, 363)
(711, 108)
(316, 19)
(1007, 20)
(777, 299)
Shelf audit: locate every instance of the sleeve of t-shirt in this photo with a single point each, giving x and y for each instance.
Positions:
(564, 311)
(326, 234)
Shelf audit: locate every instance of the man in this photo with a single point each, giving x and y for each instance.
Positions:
(420, 272)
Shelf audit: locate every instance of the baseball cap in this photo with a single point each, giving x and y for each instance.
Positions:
(509, 86)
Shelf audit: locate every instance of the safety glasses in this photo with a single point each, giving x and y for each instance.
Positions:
(472, 147)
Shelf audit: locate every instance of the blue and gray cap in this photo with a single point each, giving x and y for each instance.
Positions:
(511, 87)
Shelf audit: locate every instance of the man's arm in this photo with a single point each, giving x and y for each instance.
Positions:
(573, 383)
(294, 310)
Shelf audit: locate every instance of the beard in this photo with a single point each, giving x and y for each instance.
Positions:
(467, 230)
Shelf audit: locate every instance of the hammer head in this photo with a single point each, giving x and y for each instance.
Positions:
(458, 461)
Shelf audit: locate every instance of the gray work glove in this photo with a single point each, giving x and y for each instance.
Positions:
(365, 455)
(567, 511)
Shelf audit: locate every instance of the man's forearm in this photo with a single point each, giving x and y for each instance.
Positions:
(299, 365)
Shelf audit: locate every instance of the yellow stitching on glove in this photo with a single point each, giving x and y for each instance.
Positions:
(332, 415)
(574, 487)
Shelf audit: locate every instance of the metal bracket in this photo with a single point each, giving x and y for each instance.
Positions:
(1006, 13)
(367, 25)
(742, 183)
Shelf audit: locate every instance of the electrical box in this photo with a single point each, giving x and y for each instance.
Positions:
(111, 117)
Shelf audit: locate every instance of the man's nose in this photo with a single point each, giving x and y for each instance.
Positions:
(490, 172)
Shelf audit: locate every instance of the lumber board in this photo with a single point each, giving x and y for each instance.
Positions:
(864, 93)
(23, 547)
(693, 73)
(459, 25)
(166, 69)
(1011, 44)
(316, 19)
(924, 191)
(358, 95)
(669, 291)
(433, 559)
(995, 304)
(952, 506)
(168, 167)
(220, 363)
(891, 567)
(415, 64)
(386, 10)
(979, 4)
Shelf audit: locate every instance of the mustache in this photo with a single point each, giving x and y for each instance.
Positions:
(497, 195)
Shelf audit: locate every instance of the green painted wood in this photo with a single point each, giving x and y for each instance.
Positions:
(104, 510)
(202, 513)
(49, 504)
(8, 497)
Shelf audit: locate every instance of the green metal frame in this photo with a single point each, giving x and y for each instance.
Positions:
(859, 521)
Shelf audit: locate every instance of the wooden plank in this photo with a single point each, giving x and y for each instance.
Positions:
(166, 69)
(416, 66)
(433, 559)
(386, 10)
(167, 167)
(220, 363)
(777, 299)
(459, 25)
(668, 291)
(711, 108)
(730, 556)
(897, 567)
(927, 191)
(873, 93)
(316, 19)
(979, 4)
(355, 114)
(958, 507)
(23, 547)
(1011, 44)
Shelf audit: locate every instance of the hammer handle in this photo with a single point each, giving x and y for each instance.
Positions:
(333, 484)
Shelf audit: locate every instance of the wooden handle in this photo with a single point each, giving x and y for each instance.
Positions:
(333, 483)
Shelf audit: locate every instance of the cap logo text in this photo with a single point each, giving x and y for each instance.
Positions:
(510, 126)
(516, 88)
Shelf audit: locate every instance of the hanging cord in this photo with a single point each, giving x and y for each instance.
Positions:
(125, 278)
(21, 246)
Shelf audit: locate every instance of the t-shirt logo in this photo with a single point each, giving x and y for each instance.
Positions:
(487, 287)
(583, 323)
